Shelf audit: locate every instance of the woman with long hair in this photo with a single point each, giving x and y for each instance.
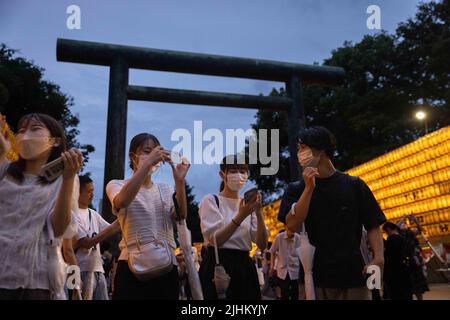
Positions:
(232, 224)
(141, 204)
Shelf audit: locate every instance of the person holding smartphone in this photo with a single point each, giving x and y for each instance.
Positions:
(232, 224)
(333, 207)
(140, 203)
(32, 208)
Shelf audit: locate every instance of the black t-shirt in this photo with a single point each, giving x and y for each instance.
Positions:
(340, 205)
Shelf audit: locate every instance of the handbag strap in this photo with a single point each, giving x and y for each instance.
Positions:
(303, 231)
(216, 250)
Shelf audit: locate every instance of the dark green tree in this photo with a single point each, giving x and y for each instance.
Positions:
(193, 219)
(23, 90)
(387, 77)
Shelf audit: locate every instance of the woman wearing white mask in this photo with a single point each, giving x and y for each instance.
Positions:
(31, 208)
(145, 209)
(235, 225)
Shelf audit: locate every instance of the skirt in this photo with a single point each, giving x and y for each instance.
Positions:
(244, 283)
(128, 287)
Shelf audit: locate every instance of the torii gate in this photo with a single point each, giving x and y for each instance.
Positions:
(121, 58)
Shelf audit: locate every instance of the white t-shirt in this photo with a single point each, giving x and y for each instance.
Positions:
(288, 252)
(25, 211)
(214, 218)
(150, 211)
(89, 225)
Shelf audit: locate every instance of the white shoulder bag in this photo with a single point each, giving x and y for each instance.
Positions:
(56, 267)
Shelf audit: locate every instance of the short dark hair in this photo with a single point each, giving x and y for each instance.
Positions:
(319, 138)
(84, 180)
(390, 226)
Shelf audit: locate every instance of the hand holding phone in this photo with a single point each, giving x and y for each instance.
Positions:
(52, 170)
(250, 195)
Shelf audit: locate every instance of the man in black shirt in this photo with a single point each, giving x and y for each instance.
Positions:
(333, 207)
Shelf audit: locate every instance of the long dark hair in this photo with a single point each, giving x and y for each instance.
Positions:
(137, 142)
(231, 162)
(15, 169)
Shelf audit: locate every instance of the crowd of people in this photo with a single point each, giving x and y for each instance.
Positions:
(48, 225)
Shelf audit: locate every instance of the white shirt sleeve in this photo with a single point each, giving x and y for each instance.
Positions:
(210, 217)
(102, 223)
(274, 247)
(112, 189)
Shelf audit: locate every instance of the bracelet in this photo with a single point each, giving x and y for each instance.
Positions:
(234, 221)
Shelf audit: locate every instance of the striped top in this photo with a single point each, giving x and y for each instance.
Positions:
(149, 212)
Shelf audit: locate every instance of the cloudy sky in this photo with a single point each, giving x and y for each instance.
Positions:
(302, 31)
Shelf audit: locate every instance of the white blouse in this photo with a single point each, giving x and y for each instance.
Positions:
(25, 211)
(214, 218)
(145, 211)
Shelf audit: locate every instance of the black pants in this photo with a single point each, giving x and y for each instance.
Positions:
(289, 288)
(244, 283)
(128, 287)
(24, 294)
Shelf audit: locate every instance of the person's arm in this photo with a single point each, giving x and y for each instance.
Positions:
(88, 242)
(301, 208)
(68, 252)
(179, 175)
(376, 244)
(61, 215)
(262, 234)
(129, 191)
(372, 217)
(273, 255)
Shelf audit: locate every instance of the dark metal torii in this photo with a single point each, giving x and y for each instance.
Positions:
(121, 58)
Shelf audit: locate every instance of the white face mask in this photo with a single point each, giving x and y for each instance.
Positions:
(307, 159)
(142, 159)
(236, 181)
(31, 146)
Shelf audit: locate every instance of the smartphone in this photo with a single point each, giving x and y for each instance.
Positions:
(175, 157)
(52, 170)
(250, 194)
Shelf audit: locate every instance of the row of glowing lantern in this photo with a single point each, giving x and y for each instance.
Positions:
(432, 217)
(435, 230)
(390, 185)
(425, 160)
(430, 191)
(12, 154)
(419, 146)
(441, 202)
